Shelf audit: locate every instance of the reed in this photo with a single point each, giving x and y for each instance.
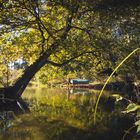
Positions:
(117, 67)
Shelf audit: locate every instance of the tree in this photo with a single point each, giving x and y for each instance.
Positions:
(56, 32)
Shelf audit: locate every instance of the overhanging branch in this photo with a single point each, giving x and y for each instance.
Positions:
(67, 61)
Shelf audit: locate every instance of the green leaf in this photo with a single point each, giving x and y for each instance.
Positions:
(138, 113)
(131, 108)
(138, 128)
(118, 97)
(137, 123)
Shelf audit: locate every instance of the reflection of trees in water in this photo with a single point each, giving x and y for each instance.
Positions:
(6, 120)
(73, 118)
(77, 110)
(8, 112)
(71, 92)
(56, 118)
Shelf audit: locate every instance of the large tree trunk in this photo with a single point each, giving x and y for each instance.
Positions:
(15, 91)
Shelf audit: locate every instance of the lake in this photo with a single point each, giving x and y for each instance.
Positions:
(64, 114)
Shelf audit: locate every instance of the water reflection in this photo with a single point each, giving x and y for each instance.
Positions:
(59, 114)
(73, 92)
(6, 120)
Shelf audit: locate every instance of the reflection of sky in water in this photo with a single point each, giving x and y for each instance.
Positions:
(79, 91)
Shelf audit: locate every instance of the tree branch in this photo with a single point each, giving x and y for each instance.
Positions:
(67, 61)
(87, 31)
(82, 29)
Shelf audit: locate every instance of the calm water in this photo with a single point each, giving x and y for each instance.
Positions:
(62, 114)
